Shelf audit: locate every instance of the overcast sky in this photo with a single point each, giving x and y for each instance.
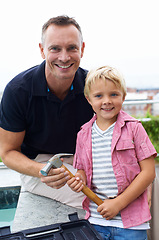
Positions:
(120, 33)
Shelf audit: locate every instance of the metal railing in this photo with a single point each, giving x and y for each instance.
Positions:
(136, 102)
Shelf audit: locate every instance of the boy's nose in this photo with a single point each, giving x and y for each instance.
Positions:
(106, 100)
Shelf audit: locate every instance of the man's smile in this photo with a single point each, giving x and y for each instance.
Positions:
(64, 67)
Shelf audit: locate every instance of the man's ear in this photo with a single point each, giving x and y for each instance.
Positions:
(82, 49)
(42, 50)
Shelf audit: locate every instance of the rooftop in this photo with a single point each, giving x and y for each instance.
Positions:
(33, 210)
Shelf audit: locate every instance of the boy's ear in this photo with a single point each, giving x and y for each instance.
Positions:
(88, 100)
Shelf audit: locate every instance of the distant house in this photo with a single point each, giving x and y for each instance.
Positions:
(155, 107)
(137, 109)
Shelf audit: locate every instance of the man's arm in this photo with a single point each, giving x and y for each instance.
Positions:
(10, 152)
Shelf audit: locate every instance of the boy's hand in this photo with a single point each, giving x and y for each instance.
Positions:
(108, 209)
(76, 183)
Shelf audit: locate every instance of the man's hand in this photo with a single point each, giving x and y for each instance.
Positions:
(56, 178)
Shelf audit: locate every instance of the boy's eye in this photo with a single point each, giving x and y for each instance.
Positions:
(114, 94)
(98, 95)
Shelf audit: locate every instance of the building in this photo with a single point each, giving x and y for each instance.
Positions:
(136, 102)
(156, 105)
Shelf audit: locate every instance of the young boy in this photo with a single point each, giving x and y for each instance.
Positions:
(115, 158)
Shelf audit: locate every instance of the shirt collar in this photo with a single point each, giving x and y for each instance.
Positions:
(40, 87)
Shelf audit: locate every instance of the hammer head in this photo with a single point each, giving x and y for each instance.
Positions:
(54, 162)
(56, 159)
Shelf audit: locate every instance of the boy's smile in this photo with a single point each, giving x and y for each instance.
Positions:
(106, 100)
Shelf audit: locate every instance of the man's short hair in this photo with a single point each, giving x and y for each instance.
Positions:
(62, 20)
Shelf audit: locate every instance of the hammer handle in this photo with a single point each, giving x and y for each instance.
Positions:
(87, 191)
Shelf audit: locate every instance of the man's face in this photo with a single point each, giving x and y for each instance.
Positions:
(63, 50)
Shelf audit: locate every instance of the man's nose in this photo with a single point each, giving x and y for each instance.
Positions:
(64, 56)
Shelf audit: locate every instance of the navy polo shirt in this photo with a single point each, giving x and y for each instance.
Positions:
(51, 125)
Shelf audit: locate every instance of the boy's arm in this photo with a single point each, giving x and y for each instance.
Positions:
(111, 207)
(149, 194)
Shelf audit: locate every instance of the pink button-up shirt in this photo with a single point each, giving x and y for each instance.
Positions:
(130, 144)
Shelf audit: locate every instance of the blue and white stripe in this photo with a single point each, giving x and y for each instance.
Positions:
(103, 180)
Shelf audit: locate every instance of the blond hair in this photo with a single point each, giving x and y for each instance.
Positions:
(105, 73)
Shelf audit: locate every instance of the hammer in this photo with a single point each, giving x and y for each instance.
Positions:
(55, 162)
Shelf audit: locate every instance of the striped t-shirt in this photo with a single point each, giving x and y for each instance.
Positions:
(103, 180)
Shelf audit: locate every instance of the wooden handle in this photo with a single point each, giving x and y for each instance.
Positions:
(91, 195)
(87, 191)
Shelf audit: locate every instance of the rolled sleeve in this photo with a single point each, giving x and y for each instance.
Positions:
(144, 147)
(13, 110)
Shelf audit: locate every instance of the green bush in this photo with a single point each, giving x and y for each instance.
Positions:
(152, 129)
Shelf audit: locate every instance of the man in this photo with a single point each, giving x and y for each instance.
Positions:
(42, 110)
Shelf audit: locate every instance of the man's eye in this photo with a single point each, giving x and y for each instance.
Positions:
(72, 48)
(54, 49)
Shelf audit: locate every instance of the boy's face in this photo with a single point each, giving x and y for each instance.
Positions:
(106, 100)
